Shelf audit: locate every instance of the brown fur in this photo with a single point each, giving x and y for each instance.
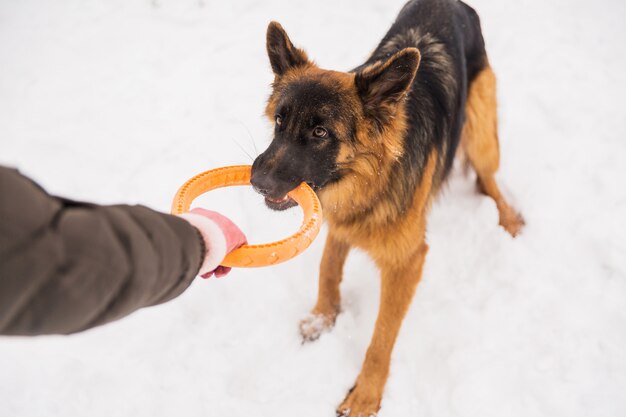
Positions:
(480, 144)
(399, 249)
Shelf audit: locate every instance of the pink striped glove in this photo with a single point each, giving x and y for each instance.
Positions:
(221, 236)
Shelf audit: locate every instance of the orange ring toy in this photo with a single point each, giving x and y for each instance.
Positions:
(249, 256)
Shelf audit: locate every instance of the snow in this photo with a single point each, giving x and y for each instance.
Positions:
(122, 101)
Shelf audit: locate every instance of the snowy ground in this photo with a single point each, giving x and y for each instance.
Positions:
(121, 101)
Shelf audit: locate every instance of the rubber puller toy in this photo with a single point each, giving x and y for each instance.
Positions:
(249, 256)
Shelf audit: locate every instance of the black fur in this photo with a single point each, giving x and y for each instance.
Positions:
(447, 34)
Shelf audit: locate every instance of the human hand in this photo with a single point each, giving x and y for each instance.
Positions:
(221, 236)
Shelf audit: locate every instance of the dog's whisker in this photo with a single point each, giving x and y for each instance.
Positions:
(242, 149)
(256, 152)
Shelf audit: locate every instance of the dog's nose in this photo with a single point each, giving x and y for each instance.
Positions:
(260, 184)
(263, 191)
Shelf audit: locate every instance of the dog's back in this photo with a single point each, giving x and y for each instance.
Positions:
(448, 35)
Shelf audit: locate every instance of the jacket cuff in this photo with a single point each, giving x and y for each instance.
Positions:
(214, 241)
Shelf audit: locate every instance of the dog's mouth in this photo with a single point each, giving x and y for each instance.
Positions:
(281, 203)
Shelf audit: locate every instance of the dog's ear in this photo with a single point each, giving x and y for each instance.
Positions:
(382, 86)
(283, 55)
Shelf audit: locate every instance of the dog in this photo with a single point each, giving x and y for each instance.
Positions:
(376, 144)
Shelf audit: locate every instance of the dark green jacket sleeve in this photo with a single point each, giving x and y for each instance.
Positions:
(68, 266)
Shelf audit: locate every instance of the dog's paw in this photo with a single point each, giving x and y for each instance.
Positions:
(512, 221)
(359, 403)
(312, 326)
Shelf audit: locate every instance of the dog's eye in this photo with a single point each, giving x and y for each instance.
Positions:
(278, 119)
(320, 132)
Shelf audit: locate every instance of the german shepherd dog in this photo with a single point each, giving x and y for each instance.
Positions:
(376, 144)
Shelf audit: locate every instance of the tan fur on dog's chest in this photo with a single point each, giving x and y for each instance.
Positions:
(385, 235)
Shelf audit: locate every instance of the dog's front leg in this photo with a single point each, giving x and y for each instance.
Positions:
(397, 288)
(328, 303)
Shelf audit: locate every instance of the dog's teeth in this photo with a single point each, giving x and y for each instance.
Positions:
(279, 200)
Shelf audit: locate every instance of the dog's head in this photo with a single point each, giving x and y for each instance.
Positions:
(323, 119)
